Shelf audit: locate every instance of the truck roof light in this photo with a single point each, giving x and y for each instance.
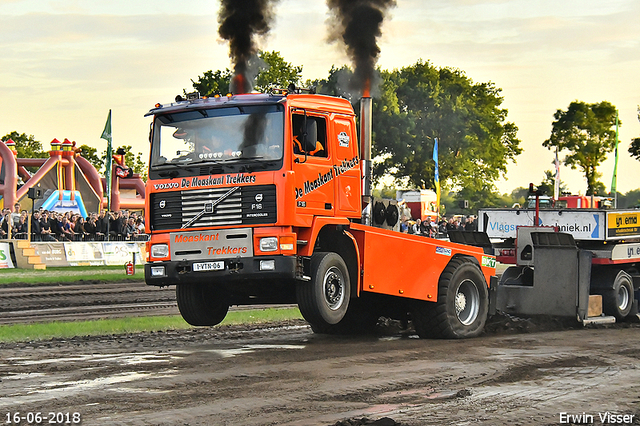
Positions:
(158, 105)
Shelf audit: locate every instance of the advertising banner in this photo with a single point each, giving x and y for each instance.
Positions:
(5, 256)
(583, 225)
(84, 254)
(121, 252)
(623, 224)
(51, 254)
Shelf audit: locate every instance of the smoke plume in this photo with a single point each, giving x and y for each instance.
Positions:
(358, 23)
(240, 22)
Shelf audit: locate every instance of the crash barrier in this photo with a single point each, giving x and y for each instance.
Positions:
(79, 253)
(82, 237)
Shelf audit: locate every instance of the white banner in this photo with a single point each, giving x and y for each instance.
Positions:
(119, 253)
(5, 256)
(84, 254)
(583, 225)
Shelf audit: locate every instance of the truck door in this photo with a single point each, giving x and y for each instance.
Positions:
(314, 175)
(346, 166)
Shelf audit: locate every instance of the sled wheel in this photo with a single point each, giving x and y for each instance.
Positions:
(618, 300)
(462, 306)
(201, 304)
(324, 300)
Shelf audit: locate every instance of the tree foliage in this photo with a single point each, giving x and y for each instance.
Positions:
(634, 149)
(134, 161)
(274, 72)
(26, 145)
(587, 132)
(420, 103)
(91, 154)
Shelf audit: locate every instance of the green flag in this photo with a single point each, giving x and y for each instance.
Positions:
(106, 134)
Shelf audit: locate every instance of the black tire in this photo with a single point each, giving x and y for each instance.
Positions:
(201, 304)
(462, 306)
(324, 300)
(618, 300)
(361, 318)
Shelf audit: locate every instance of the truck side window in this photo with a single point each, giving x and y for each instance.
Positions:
(317, 125)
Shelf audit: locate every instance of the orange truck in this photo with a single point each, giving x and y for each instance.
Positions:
(266, 199)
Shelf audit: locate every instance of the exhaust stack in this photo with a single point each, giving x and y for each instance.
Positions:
(366, 104)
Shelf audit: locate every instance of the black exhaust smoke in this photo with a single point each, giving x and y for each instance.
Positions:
(358, 24)
(240, 22)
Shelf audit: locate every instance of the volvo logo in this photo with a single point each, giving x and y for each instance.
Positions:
(163, 203)
(258, 198)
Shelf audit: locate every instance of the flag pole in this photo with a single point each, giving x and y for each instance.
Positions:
(106, 134)
(436, 178)
(556, 184)
(614, 180)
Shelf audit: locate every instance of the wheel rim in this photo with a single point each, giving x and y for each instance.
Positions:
(622, 298)
(467, 302)
(333, 288)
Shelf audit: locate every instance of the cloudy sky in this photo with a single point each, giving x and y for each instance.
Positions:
(65, 63)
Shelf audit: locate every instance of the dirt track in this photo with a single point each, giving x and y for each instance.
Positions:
(286, 375)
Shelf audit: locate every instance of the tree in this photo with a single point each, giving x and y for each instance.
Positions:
(26, 146)
(420, 103)
(211, 83)
(278, 74)
(550, 181)
(134, 161)
(275, 73)
(634, 149)
(587, 131)
(91, 154)
(336, 84)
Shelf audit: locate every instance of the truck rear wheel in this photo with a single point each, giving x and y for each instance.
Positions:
(324, 300)
(618, 300)
(462, 306)
(201, 304)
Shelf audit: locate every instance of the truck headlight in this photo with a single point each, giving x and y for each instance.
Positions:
(160, 250)
(269, 244)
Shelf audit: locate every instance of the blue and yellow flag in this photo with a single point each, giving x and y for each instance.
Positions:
(436, 176)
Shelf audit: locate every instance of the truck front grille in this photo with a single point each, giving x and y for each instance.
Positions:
(247, 205)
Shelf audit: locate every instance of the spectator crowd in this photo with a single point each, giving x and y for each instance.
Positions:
(440, 229)
(52, 226)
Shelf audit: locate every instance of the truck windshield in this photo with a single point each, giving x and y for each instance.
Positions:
(231, 135)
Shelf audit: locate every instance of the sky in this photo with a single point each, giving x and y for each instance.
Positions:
(66, 63)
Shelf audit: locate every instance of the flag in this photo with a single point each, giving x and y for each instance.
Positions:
(436, 176)
(614, 180)
(106, 134)
(556, 185)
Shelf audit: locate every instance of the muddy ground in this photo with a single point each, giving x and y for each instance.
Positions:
(283, 374)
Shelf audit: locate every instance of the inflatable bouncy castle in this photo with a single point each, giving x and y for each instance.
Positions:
(65, 181)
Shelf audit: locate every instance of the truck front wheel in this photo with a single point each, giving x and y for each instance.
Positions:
(324, 300)
(618, 300)
(462, 305)
(201, 304)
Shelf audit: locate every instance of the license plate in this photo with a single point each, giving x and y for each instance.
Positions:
(208, 266)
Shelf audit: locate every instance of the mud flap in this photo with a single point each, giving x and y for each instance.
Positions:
(557, 285)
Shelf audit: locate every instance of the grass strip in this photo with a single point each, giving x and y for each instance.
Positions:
(70, 274)
(58, 329)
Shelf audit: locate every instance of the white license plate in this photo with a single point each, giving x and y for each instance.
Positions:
(208, 266)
